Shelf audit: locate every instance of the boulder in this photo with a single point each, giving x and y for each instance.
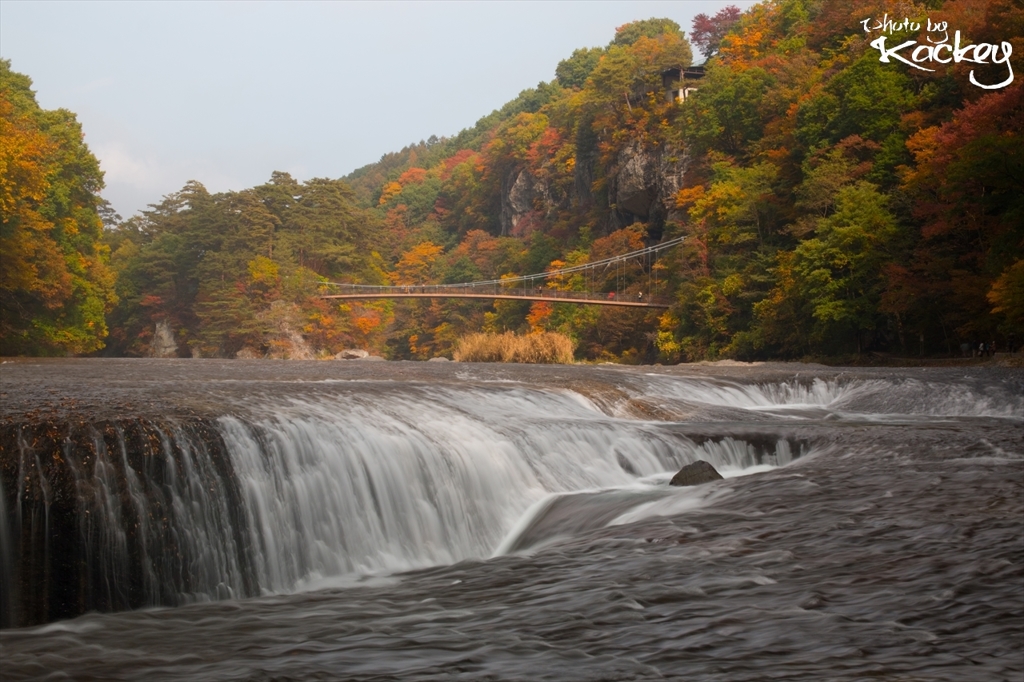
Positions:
(352, 354)
(163, 344)
(439, 358)
(696, 473)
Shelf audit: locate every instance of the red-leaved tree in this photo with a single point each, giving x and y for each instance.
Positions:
(707, 32)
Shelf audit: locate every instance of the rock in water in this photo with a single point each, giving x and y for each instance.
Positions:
(696, 473)
(351, 354)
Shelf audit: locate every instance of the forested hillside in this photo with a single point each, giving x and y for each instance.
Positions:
(834, 204)
(55, 285)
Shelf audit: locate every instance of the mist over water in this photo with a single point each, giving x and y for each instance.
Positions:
(304, 520)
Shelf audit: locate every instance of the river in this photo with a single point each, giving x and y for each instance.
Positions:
(264, 520)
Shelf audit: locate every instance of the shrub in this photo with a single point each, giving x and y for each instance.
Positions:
(538, 348)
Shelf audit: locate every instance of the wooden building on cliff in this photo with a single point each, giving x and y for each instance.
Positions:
(681, 83)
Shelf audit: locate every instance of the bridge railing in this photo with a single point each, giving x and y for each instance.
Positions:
(495, 288)
(533, 286)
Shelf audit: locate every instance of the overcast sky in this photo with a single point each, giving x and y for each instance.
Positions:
(227, 92)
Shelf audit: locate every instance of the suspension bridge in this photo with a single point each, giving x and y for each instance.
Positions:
(615, 281)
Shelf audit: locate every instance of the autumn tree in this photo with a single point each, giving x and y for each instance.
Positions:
(966, 180)
(245, 269)
(573, 72)
(55, 284)
(707, 32)
(831, 203)
(630, 33)
(839, 270)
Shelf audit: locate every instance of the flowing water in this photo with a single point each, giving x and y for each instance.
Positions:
(187, 520)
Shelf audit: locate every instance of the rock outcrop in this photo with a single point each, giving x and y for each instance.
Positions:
(696, 473)
(282, 339)
(351, 354)
(645, 183)
(635, 182)
(642, 184)
(525, 196)
(164, 345)
(289, 344)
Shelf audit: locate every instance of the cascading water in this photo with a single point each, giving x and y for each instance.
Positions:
(118, 515)
(375, 480)
(881, 399)
(514, 522)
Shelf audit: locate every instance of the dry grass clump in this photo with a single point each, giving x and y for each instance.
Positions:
(538, 348)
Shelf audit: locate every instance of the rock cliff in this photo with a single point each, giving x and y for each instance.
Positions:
(526, 197)
(643, 185)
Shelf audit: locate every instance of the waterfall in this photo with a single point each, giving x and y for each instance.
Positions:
(133, 513)
(337, 479)
(881, 399)
(391, 483)
(117, 515)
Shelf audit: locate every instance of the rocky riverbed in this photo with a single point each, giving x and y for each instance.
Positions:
(308, 520)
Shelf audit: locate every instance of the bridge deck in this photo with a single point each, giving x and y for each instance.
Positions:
(553, 297)
(534, 287)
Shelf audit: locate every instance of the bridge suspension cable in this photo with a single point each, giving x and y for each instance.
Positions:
(505, 287)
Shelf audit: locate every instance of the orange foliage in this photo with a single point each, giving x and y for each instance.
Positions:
(942, 197)
(323, 328)
(538, 316)
(32, 261)
(395, 229)
(544, 148)
(622, 241)
(23, 152)
(368, 323)
(394, 219)
(460, 157)
(416, 264)
(753, 39)
(413, 176)
(482, 249)
(688, 196)
(390, 190)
